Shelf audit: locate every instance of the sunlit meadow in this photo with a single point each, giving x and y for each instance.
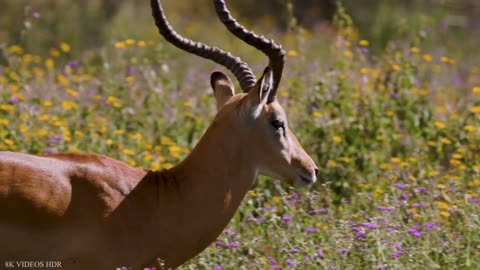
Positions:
(396, 136)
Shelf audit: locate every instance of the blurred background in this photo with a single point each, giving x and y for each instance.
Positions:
(85, 24)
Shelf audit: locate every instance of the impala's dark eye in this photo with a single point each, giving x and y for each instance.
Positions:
(278, 124)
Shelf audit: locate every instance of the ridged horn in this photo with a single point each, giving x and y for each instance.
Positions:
(274, 51)
(240, 69)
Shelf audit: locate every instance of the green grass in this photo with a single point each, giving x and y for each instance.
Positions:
(396, 136)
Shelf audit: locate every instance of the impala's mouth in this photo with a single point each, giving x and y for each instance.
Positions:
(307, 180)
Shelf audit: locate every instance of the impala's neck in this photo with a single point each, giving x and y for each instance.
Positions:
(214, 178)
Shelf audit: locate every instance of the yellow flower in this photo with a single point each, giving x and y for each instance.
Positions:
(141, 43)
(415, 50)
(364, 71)
(120, 45)
(284, 93)
(128, 152)
(68, 105)
(292, 53)
(332, 164)
(444, 213)
(427, 57)
(348, 54)
(167, 165)
(72, 92)
(476, 90)
(475, 109)
(130, 79)
(446, 140)
(166, 140)
(317, 114)
(54, 52)
(440, 125)
(4, 122)
(64, 47)
(130, 41)
(9, 142)
(363, 43)
(457, 156)
(187, 104)
(337, 139)
(444, 59)
(395, 160)
(470, 128)
(49, 63)
(396, 67)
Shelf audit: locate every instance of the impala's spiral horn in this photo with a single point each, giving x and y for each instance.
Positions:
(274, 51)
(240, 69)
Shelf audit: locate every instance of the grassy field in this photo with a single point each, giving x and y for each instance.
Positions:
(396, 136)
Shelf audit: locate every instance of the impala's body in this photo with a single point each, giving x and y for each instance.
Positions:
(93, 212)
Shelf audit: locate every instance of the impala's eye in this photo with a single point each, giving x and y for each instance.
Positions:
(278, 124)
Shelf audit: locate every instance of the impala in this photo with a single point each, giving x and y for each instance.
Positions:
(94, 212)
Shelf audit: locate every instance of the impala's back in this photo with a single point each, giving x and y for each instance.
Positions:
(48, 202)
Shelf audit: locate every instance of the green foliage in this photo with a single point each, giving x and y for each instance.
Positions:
(396, 136)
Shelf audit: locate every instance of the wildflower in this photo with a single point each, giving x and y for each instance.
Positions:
(219, 244)
(13, 100)
(370, 225)
(400, 185)
(397, 254)
(36, 15)
(230, 232)
(363, 43)
(291, 262)
(120, 45)
(233, 245)
(64, 47)
(319, 211)
(286, 218)
(56, 139)
(415, 50)
(337, 139)
(414, 231)
(475, 109)
(292, 53)
(476, 90)
(427, 57)
(440, 125)
(218, 267)
(271, 261)
(294, 251)
(404, 196)
(48, 151)
(310, 230)
(343, 251)
(419, 205)
(430, 226)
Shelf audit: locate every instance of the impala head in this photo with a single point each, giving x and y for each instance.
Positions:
(255, 115)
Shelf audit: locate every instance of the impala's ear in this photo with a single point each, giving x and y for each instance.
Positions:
(222, 88)
(258, 95)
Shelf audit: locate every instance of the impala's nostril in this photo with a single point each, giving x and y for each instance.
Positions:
(316, 171)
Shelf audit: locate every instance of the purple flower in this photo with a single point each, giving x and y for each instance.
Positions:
(320, 254)
(397, 255)
(56, 139)
(271, 261)
(389, 230)
(218, 267)
(419, 205)
(361, 236)
(422, 190)
(343, 251)
(414, 231)
(286, 218)
(13, 100)
(74, 64)
(474, 200)
(381, 267)
(294, 251)
(310, 230)
(36, 15)
(404, 196)
(233, 245)
(318, 211)
(230, 232)
(256, 220)
(48, 151)
(400, 185)
(370, 225)
(364, 50)
(291, 262)
(430, 226)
